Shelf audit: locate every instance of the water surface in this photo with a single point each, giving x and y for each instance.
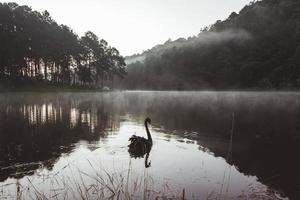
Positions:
(214, 145)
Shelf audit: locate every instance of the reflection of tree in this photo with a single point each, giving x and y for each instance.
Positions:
(274, 161)
(266, 133)
(34, 128)
(34, 132)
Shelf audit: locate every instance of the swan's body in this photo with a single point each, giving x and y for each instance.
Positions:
(139, 146)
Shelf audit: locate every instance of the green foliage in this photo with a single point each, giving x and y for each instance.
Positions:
(255, 49)
(34, 48)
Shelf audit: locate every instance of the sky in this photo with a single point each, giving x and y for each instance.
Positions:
(136, 25)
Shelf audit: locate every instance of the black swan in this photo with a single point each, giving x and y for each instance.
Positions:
(139, 146)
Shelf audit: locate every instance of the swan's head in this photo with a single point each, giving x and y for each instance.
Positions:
(148, 120)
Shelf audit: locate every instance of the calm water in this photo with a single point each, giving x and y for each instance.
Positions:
(55, 144)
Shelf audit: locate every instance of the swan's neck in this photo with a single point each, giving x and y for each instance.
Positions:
(148, 132)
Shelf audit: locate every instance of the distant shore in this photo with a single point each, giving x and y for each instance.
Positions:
(49, 88)
(84, 89)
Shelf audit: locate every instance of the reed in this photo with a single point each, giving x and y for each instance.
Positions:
(100, 184)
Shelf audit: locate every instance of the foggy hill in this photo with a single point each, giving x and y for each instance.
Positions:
(257, 48)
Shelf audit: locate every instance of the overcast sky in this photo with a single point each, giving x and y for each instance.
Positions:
(136, 25)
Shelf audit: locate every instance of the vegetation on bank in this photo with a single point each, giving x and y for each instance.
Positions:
(48, 87)
(36, 50)
(257, 48)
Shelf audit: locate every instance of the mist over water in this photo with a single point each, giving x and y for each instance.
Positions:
(54, 136)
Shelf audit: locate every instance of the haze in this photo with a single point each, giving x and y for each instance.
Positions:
(136, 25)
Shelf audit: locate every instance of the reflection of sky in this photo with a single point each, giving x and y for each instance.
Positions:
(100, 125)
(176, 162)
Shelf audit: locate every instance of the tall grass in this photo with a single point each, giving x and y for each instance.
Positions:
(100, 184)
(78, 184)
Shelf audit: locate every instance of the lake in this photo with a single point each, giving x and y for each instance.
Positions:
(206, 145)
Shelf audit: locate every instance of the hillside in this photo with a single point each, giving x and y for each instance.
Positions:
(257, 48)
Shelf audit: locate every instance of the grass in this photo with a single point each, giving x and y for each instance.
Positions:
(100, 184)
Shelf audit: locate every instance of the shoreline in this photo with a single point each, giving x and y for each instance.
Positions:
(94, 90)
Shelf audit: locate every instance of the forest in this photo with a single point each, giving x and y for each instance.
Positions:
(255, 49)
(35, 50)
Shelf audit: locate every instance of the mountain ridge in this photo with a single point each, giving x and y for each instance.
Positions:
(258, 48)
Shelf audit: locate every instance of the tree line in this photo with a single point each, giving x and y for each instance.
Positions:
(35, 49)
(257, 48)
